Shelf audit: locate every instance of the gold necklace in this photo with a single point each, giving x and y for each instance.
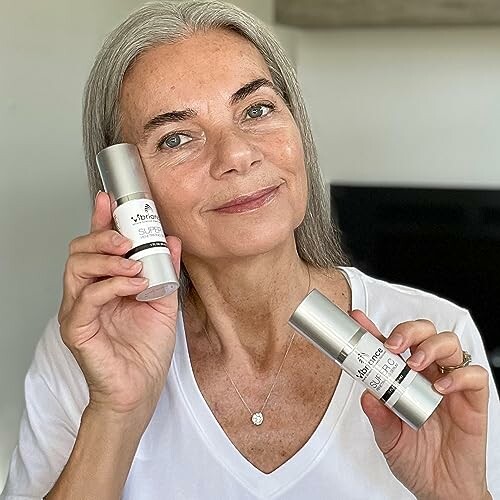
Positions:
(257, 418)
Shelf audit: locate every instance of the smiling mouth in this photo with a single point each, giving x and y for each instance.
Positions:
(249, 203)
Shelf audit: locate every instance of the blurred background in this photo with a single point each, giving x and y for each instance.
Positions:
(404, 98)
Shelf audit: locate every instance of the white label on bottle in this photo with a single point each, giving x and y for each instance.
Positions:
(384, 374)
(138, 220)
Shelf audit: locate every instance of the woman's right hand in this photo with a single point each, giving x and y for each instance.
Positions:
(124, 347)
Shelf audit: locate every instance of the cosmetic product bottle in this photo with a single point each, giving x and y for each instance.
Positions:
(386, 375)
(135, 217)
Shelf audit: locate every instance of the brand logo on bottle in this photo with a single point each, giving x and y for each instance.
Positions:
(362, 357)
(368, 362)
(148, 215)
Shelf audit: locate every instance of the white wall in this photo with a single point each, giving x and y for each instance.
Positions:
(419, 107)
(46, 49)
(263, 9)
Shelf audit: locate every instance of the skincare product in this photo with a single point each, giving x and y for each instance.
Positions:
(135, 217)
(386, 375)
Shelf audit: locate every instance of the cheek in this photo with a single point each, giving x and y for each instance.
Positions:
(287, 153)
(176, 197)
(285, 150)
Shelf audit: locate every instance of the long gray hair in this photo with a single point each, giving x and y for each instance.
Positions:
(317, 238)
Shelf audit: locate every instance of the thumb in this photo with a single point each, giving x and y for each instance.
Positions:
(387, 427)
(175, 247)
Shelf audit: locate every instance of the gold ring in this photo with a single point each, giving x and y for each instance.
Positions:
(467, 358)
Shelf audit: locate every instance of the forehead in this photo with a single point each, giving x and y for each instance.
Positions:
(207, 64)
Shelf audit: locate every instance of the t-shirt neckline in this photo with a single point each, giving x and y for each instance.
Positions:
(254, 480)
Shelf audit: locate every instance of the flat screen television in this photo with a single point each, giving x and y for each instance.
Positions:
(442, 240)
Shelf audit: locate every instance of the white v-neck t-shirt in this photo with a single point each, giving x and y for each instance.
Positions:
(184, 452)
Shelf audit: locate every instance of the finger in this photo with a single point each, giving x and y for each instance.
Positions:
(472, 380)
(107, 241)
(101, 216)
(174, 245)
(83, 269)
(386, 425)
(363, 320)
(410, 333)
(444, 349)
(90, 302)
(85, 266)
(98, 242)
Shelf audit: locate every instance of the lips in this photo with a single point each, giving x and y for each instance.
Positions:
(243, 200)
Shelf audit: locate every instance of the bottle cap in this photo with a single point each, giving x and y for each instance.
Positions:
(122, 171)
(325, 324)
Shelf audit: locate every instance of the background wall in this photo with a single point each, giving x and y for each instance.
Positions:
(404, 106)
(46, 49)
(388, 106)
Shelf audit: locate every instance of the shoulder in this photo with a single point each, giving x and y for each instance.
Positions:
(390, 303)
(55, 397)
(55, 366)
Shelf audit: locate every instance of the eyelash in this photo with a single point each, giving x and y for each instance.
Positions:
(266, 104)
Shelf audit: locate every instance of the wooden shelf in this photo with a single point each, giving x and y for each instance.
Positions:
(321, 14)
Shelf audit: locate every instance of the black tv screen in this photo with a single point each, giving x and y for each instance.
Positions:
(442, 240)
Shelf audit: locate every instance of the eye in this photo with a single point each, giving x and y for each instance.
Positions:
(259, 110)
(173, 141)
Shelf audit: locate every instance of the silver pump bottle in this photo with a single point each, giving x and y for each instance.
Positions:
(135, 217)
(386, 375)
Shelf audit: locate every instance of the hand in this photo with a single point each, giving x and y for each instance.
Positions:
(446, 457)
(124, 347)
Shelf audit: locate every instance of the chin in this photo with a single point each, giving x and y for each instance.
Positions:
(254, 239)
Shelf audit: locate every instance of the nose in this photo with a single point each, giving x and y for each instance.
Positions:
(234, 152)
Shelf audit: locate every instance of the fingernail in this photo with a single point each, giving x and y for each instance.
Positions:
(416, 358)
(97, 194)
(394, 341)
(118, 239)
(137, 281)
(130, 264)
(443, 383)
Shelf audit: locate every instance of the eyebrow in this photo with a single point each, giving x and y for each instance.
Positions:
(250, 88)
(185, 114)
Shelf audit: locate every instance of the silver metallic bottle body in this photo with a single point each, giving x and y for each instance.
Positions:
(135, 217)
(386, 375)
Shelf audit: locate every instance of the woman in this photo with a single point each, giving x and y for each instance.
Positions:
(220, 399)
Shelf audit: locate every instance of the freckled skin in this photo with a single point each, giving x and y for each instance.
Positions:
(229, 155)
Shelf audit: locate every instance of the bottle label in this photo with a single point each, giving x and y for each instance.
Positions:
(385, 375)
(138, 220)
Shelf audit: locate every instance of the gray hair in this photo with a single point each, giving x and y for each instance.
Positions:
(317, 237)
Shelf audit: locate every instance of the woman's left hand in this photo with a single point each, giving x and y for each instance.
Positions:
(446, 457)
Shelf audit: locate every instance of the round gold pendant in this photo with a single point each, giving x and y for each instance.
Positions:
(257, 418)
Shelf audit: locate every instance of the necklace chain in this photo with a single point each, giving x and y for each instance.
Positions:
(258, 417)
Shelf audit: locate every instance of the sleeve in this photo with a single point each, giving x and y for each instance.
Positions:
(55, 397)
(473, 343)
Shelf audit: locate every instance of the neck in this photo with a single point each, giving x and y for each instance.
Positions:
(244, 304)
